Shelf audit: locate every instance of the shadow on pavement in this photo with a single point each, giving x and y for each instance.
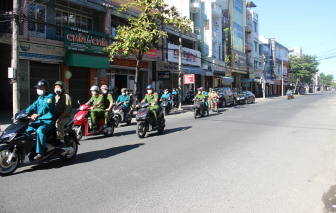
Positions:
(82, 158)
(168, 131)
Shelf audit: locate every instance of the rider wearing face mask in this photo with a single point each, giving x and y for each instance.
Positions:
(126, 101)
(44, 109)
(130, 95)
(152, 98)
(108, 102)
(166, 95)
(97, 109)
(63, 109)
(201, 96)
(206, 99)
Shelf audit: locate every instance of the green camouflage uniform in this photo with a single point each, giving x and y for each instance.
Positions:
(148, 98)
(98, 110)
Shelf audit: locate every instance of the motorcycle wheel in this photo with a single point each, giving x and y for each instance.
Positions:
(128, 122)
(253, 101)
(164, 111)
(74, 145)
(5, 168)
(116, 121)
(141, 131)
(79, 132)
(195, 114)
(216, 109)
(245, 101)
(110, 133)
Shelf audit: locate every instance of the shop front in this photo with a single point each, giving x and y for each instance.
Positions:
(247, 84)
(277, 87)
(84, 61)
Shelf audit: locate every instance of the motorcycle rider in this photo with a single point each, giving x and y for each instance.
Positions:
(97, 109)
(176, 93)
(152, 98)
(212, 94)
(108, 102)
(201, 96)
(130, 97)
(63, 109)
(288, 93)
(167, 96)
(44, 110)
(206, 100)
(125, 99)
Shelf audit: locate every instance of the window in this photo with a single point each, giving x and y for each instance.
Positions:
(65, 18)
(74, 6)
(255, 26)
(37, 12)
(256, 46)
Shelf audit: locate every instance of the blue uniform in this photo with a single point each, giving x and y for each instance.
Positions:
(123, 99)
(44, 106)
(206, 101)
(167, 97)
(176, 93)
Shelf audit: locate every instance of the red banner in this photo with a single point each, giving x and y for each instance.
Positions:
(128, 63)
(189, 79)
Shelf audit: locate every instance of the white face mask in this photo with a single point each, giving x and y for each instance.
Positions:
(104, 91)
(126, 93)
(149, 91)
(199, 92)
(58, 91)
(173, 90)
(165, 93)
(123, 94)
(39, 91)
(94, 93)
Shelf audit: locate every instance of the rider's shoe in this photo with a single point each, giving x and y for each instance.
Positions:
(39, 156)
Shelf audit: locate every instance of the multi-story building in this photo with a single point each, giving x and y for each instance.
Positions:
(297, 51)
(265, 67)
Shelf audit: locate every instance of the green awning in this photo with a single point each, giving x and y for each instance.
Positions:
(76, 59)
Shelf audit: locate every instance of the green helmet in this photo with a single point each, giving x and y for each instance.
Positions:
(60, 83)
(126, 89)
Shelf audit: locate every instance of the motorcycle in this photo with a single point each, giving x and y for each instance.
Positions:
(215, 104)
(119, 115)
(83, 123)
(144, 120)
(190, 97)
(165, 106)
(174, 100)
(16, 149)
(198, 108)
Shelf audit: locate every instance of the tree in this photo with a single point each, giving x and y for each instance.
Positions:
(326, 80)
(144, 32)
(303, 68)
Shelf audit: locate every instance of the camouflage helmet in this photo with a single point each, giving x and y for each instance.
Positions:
(123, 90)
(60, 83)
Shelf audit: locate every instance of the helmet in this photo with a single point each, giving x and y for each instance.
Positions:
(94, 88)
(199, 89)
(165, 90)
(104, 87)
(123, 90)
(150, 87)
(60, 83)
(42, 83)
(126, 89)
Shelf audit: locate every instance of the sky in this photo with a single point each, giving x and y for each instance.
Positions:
(306, 23)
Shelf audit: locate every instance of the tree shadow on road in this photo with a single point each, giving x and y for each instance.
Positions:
(82, 158)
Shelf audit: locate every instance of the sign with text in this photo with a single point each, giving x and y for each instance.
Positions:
(163, 76)
(238, 5)
(41, 52)
(189, 79)
(128, 63)
(82, 40)
(189, 56)
(219, 65)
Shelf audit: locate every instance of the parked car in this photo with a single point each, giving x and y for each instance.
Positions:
(245, 97)
(226, 96)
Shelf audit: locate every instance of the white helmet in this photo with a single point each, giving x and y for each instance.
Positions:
(94, 88)
(104, 87)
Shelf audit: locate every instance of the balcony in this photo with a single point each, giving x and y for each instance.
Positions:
(195, 6)
(216, 10)
(248, 46)
(248, 29)
(216, 36)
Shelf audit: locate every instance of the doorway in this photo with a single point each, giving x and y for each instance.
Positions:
(120, 82)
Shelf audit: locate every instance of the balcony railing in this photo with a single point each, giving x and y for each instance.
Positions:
(217, 10)
(248, 46)
(248, 28)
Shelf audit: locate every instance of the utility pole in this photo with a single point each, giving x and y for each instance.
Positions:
(264, 79)
(180, 73)
(15, 57)
(282, 80)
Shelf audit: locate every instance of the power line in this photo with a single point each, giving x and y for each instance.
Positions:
(320, 43)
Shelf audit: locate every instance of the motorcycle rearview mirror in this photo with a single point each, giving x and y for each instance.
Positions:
(78, 102)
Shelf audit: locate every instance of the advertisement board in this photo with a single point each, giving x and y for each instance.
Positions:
(238, 5)
(163, 76)
(189, 79)
(41, 52)
(219, 65)
(82, 40)
(189, 56)
(238, 30)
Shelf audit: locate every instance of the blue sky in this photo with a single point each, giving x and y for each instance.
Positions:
(305, 23)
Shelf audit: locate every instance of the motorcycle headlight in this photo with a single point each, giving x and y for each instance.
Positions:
(8, 137)
(81, 108)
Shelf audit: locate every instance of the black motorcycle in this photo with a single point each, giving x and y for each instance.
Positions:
(16, 149)
(198, 108)
(119, 115)
(174, 100)
(190, 97)
(165, 106)
(144, 120)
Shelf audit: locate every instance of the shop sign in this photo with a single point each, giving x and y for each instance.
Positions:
(189, 79)
(163, 76)
(277, 82)
(246, 84)
(82, 40)
(41, 52)
(246, 80)
(164, 66)
(189, 56)
(238, 30)
(219, 65)
(238, 5)
(252, 74)
(128, 63)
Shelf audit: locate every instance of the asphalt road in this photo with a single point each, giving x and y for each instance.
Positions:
(272, 156)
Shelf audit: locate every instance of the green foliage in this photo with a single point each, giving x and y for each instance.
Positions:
(303, 68)
(326, 80)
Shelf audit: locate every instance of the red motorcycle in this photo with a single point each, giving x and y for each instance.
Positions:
(83, 123)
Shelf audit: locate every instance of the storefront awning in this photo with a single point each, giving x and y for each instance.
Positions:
(193, 70)
(76, 59)
(225, 78)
